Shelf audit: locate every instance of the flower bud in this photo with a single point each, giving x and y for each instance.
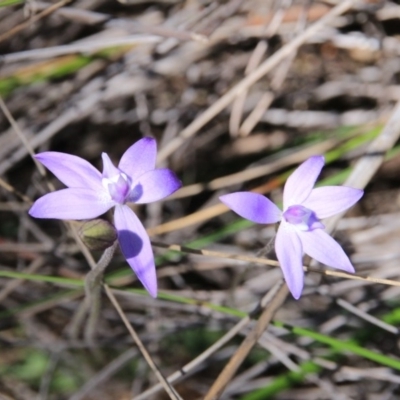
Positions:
(97, 234)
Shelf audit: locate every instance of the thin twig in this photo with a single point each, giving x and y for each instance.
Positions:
(185, 370)
(14, 191)
(254, 61)
(81, 47)
(251, 339)
(270, 165)
(248, 81)
(254, 117)
(168, 388)
(21, 136)
(13, 284)
(48, 375)
(104, 374)
(367, 317)
(271, 263)
(373, 158)
(78, 110)
(90, 17)
(35, 18)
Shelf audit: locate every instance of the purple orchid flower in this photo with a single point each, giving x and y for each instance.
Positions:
(90, 194)
(300, 230)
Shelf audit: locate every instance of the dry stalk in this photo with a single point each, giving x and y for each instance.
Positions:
(249, 80)
(248, 343)
(35, 18)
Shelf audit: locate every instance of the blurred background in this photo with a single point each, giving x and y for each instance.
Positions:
(87, 76)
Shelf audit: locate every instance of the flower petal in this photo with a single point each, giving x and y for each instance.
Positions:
(139, 158)
(330, 200)
(71, 170)
(289, 251)
(321, 246)
(73, 203)
(253, 206)
(135, 246)
(154, 185)
(109, 169)
(299, 185)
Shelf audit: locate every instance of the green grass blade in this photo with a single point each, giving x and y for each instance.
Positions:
(42, 278)
(6, 3)
(343, 346)
(283, 382)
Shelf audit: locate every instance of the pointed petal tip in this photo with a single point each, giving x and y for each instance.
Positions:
(360, 193)
(148, 140)
(150, 284)
(32, 211)
(296, 294)
(36, 212)
(45, 154)
(223, 197)
(152, 292)
(318, 158)
(356, 193)
(295, 285)
(350, 269)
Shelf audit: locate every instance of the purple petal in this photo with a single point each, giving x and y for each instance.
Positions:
(71, 170)
(253, 206)
(330, 200)
(135, 246)
(139, 158)
(109, 169)
(299, 185)
(290, 256)
(154, 185)
(73, 203)
(319, 245)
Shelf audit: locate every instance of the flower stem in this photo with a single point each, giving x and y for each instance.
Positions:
(93, 293)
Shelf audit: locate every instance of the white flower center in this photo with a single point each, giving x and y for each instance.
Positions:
(302, 218)
(118, 187)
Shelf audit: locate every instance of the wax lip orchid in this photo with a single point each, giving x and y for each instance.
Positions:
(300, 230)
(90, 193)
